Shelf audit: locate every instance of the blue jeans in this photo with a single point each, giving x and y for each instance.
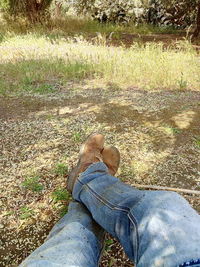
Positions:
(155, 228)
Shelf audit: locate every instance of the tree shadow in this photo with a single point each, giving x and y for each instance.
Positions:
(172, 127)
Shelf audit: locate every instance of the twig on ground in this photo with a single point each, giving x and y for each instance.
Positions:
(155, 187)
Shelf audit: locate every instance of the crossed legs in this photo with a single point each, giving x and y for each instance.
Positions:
(156, 228)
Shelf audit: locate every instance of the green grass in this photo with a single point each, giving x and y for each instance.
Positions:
(197, 142)
(25, 213)
(60, 194)
(63, 210)
(61, 169)
(61, 198)
(39, 76)
(32, 183)
(73, 25)
(108, 244)
(76, 137)
(172, 130)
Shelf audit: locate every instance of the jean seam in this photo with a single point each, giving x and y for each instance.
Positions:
(119, 208)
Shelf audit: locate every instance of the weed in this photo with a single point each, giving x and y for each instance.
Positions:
(8, 213)
(108, 244)
(176, 130)
(76, 136)
(63, 210)
(172, 130)
(25, 213)
(112, 261)
(197, 142)
(60, 195)
(182, 83)
(32, 184)
(61, 169)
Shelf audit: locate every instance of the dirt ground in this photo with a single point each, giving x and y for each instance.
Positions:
(157, 133)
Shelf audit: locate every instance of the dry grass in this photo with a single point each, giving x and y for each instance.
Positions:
(39, 64)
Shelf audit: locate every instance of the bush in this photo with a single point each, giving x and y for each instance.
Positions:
(112, 11)
(158, 12)
(172, 12)
(33, 10)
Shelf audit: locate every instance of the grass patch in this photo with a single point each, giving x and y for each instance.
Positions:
(43, 58)
(60, 194)
(61, 169)
(74, 25)
(63, 210)
(108, 244)
(172, 130)
(197, 142)
(39, 76)
(61, 198)
(32, 183)
(76, 137)
(37, 66)
(25, 213)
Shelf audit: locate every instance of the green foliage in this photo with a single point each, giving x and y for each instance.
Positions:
(182, 83)
(197, 142)
(161, 12)
(4, 4)
(61, 169)
(32, 184)
(111, 11)
(108, 244)
(25, 213)
(63, 210)
(33, 10)
(60, 195)
(61, 198)
(172, 130)
(76, 136)
(175, 130)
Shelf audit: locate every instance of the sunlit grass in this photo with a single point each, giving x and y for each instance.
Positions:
(36, 64)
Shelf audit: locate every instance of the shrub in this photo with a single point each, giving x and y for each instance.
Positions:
(112, 11)
(33, 10)
(161, 12)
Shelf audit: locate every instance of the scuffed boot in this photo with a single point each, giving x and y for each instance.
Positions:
(90, 152)
(111, 157)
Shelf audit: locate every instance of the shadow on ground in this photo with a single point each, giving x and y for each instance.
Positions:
(157, 133)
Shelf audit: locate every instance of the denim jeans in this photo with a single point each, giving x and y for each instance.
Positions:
(155, 228)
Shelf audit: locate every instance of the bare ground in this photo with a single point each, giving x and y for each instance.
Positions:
(157, 134)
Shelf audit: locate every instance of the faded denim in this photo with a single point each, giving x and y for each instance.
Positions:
(156, 228)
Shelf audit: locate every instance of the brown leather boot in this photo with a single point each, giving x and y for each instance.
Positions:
(111, 157)
(90, 152)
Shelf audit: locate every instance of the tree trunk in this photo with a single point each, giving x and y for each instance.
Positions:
(197, 30)
(58, 9)
(34, 10)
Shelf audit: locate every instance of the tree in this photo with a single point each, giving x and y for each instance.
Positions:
(177, 13)
(117, 11)
(197, 30)
(34, 10)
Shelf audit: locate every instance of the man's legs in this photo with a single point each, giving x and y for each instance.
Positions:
(76, 240)
(156, 228)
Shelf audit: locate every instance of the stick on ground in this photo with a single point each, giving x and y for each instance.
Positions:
(155, 187)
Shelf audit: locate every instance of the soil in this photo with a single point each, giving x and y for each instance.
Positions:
(128, 39)
(157, 133)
